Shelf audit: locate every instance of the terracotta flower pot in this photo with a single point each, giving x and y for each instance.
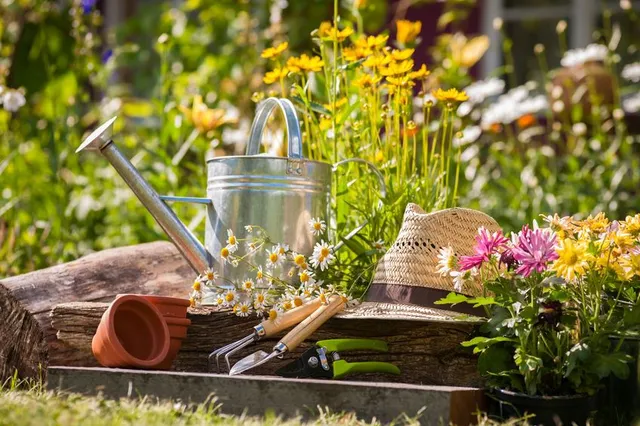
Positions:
(132, 333)
(169, 306)
(178, 331)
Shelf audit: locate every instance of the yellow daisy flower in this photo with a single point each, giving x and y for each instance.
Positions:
(631, 225)
(572, 260)
(204, 118)
(372, 42)
(451, 95)
(365, 81)
(376, 61)
(407, 31)
(274, 52)
(421, 73)
(596, 224)
(275, 75)
(401, 55)
(395, 69)
(630, 264)
(352, 54)
(305, 63)
(330, 33)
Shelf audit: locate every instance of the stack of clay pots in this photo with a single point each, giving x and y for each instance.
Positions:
(139, 331)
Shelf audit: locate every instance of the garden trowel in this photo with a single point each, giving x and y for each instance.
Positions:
(266, 328)
(293, 338)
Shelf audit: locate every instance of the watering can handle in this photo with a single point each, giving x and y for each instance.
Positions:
(263, 112)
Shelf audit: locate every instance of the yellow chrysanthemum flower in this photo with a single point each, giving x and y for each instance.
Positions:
(275, 75)
(451, 95)
(395, 69)
(631, 225)
(376, 61)
(422, 72)
(572, 260)
(204, 118)
(401, 55)
(274, 52)
(366, 81)
(352, 54)
(402, 81)
(630, 263)
(372, 42)
(408, 31)
(330, 33)
(305, 63)
(595, 224)
(339, 104)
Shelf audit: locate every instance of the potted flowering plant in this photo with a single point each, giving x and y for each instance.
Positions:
(555, 296)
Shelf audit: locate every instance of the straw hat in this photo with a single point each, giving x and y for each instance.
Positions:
(406, 284)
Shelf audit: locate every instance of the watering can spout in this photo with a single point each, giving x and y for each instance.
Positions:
(188, 245)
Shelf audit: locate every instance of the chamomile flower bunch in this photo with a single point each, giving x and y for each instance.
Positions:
(284, 279)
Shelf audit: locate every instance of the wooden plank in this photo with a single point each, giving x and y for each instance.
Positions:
(435, 405)
(27, 340)
(427, 352)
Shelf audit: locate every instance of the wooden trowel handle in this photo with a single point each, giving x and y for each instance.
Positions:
(290, 318)
(313, 322)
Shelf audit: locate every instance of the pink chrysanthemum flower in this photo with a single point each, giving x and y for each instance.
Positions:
(534, 250)
(487, 243)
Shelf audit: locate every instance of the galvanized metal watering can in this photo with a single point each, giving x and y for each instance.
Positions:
(280, 194)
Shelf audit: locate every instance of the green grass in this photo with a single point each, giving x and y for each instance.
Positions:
(28, 403)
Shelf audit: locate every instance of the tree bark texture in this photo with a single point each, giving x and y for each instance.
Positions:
(426, 352)
(28, 343)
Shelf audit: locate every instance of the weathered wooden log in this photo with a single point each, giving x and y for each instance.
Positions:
(426, 352)
(27, 341)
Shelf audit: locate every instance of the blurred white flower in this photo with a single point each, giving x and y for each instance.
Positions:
(513, 105)
(469, 135)
(631, 72)
(632, 103)
(483, 89)
(579, 129)
(13, 100)
(593, 52)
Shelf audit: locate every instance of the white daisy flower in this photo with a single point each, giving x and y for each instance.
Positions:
(274, 313)
(235, 263)
(219, 301)
(259, 276)
(224, 254)
(252, 246)
(282, 249)
(210, 276)
(322, 255)
(230, 297)
(259, 299)
(248, 228)
(232, 241)
(287, 305)
(306, 277)
(248, 285)
(317, 226)
(446, 261)
(299, 259)
(458, 280)
(483, 89)
(274, 259)
(379, 245)
(243, 309)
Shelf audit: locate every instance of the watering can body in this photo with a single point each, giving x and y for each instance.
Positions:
(278, 194)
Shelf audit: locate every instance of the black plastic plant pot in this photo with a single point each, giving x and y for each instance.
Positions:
(548, 410)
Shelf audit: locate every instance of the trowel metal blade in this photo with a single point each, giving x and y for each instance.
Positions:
(251, 361)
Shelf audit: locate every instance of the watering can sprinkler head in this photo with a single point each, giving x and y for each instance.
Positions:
(188, 245)
(99, 138)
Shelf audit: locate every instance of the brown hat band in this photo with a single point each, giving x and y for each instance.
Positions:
(419, 296)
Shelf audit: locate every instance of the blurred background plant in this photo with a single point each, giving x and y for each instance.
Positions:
(184, 76)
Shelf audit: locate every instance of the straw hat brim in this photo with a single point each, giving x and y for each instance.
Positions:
(403, 312)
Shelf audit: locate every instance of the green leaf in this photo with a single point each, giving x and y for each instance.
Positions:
(579, 352)
(354, 245)
(314, 106)
(482, 301)
(453, 299)
(480, 343)
(616, 363)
